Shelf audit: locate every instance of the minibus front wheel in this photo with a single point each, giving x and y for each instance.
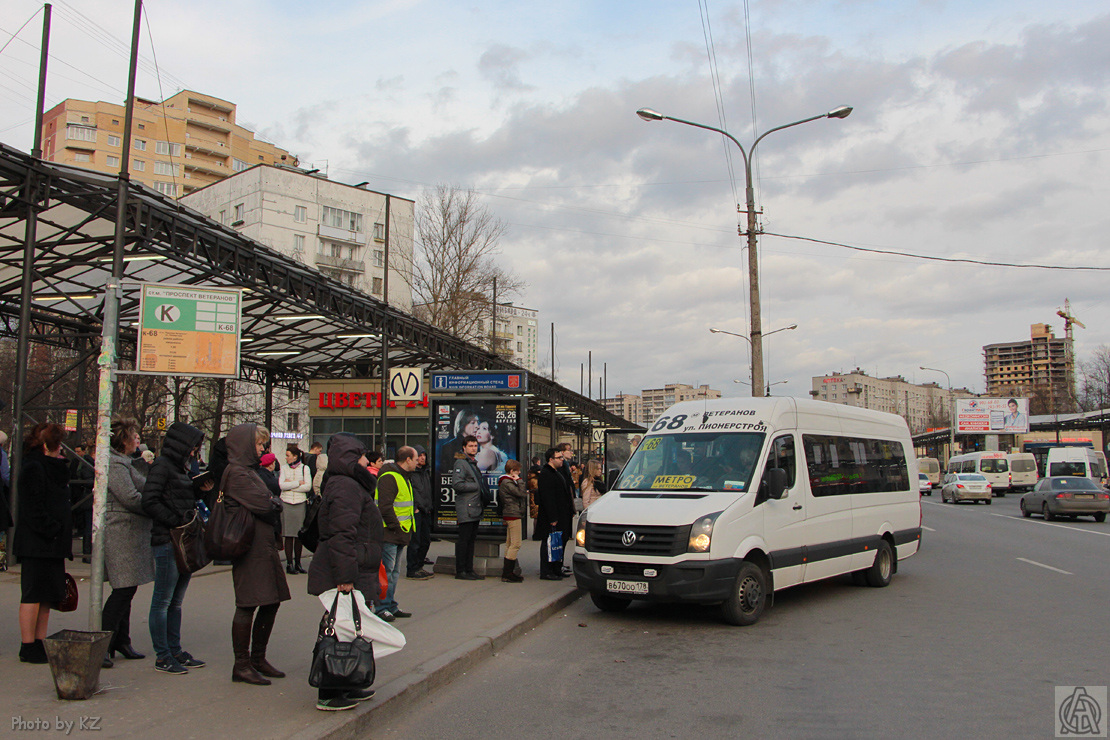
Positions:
(748, 598)
(607, 603)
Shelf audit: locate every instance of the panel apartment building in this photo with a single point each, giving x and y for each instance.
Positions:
(178, 145)
(515, 335)
(923, 406)
(645, 408)
(1041, 369)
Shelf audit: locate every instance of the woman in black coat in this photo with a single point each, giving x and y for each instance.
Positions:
(43, 535)
(350, 549)
(169, 498)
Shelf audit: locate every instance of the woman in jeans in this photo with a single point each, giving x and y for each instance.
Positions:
(128, 561)
(259, 582)
(350, 550)
(170, 498)
(43, 535)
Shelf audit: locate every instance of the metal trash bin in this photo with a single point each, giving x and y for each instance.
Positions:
(75, 660)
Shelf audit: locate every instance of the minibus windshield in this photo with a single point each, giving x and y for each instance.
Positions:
(994, 465)
(701, 461)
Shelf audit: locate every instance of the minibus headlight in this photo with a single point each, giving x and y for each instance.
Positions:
(580, 535)
(701, 533)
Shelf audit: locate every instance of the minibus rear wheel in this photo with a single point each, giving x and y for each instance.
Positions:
(607, 603)
(880, 572)
(748, 598)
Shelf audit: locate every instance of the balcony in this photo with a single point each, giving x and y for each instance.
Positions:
(204, 146)
(342, 235)
(210, 168)
(209, 123)
(338, 263)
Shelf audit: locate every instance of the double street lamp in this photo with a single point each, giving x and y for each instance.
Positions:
(753, 263)
(951, 415)
(755, 388)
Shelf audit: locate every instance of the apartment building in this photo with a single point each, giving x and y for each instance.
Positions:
(515, 334)
(1041, 369)
(337, 228)
(645, 408)
(923, 406)
(178, 145)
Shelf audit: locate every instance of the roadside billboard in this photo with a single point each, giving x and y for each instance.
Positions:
(992, 415)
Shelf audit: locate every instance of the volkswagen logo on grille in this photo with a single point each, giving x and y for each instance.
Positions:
(628, 539)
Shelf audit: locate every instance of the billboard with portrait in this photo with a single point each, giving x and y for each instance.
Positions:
(992, 415)
(498, 425)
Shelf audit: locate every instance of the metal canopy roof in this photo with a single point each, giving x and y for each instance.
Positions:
(167, 242)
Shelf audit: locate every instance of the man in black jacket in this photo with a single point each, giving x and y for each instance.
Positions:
(556, 512)
(421, 541)
(169, 498)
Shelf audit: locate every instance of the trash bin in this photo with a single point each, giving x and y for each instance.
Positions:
(75, 660)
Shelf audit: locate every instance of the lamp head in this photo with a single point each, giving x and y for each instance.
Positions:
(649, 115)
(842, 111)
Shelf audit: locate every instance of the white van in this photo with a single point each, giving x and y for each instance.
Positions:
(1023, 470)
(729, 500)
(930, 466)
(1075, 461)
(994, 466)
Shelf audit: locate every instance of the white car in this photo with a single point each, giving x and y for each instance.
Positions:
(959, 487)
(924, 486)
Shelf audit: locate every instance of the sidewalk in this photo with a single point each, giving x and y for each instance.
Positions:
(455, 625)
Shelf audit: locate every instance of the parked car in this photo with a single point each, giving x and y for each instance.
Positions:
(924, 485)
(1069, 496)
(959, 487)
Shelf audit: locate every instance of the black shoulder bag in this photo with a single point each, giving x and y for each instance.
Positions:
(341, 665)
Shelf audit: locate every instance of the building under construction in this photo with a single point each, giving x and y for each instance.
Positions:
(1041, 369)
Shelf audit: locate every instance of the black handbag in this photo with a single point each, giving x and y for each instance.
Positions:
(230, 529)
(188, 545)
(337, 664)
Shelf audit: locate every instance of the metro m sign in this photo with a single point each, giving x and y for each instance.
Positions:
(406, 383)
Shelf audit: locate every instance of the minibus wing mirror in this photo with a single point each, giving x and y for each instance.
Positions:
(774, 482)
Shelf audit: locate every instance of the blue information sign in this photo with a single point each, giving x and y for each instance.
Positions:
(479, 382)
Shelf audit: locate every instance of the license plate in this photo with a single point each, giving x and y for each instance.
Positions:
(627, 587)
(1085, 495)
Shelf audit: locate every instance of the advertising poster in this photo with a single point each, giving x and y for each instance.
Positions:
(992, 415)
(496, 424)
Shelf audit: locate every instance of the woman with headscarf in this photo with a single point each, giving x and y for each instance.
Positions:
(259, 582)
(350, 549)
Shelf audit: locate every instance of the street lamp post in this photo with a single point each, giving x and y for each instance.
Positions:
(951, 416)
(756, 341)
(752, 344)
(777, 382)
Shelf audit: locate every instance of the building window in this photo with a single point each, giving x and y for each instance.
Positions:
(80, 133)
(223, 217)
(520, 346)
(519, 330)
(237, 217)
(292, 421)
(140, 144)
(298, 244)
(115, 121)
(113, 140)
(165, 147)
(376, 286)
(340, 219)
(336, 251)
(138, 165)
(300, 214)
(238, 165)
(166, 188)
(84, 119)
(379, 232)
(165, 168)
(82, 157)
(379, 258)
(142, 127)
(113, 161)
(351, 252)
(481, 325)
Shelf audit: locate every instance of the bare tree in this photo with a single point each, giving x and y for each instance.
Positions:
(454, 272)
(1094, 384)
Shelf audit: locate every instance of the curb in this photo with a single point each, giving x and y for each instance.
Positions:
(400, 694)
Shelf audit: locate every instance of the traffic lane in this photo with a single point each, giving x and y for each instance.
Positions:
(1081, 548)
(961, 643)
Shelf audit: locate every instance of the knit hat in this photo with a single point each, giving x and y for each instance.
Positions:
(267, 459)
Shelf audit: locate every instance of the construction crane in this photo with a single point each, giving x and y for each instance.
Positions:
(1069, 347)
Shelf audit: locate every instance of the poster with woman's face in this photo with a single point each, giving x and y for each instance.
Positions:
(496, 426)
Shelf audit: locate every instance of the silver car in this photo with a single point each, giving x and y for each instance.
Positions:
(1069, 496)
(959, 487)
(924, 487)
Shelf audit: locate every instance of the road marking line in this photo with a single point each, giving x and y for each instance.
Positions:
(1047, 567)
(927, 529)
(1049, 524)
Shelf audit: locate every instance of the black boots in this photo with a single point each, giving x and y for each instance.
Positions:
(240, 645)
(263, 626)
(32, 652)
(508, 572)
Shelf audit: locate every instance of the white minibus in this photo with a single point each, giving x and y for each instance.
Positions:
(992, 465)
(728, 500)
(1023, 470)
(930, 466)
(1075, 461)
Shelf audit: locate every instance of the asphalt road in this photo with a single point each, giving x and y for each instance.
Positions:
(969, 640)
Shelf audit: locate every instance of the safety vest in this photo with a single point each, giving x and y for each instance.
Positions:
(402, 505)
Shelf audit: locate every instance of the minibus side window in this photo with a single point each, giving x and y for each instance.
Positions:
(782, 456)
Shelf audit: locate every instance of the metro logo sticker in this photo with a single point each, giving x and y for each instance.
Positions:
(673, 481)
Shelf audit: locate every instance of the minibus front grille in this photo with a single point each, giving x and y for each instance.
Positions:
(644, 539)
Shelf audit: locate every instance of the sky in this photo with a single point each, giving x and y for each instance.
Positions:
(979, 132)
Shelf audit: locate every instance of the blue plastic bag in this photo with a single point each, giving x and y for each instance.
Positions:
(555, 547)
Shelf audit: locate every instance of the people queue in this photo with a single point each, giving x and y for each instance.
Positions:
(367, 511)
